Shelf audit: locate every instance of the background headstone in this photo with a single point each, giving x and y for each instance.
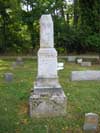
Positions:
(86, 64)
(19, 61)
(60, 66)
(91, 122)
(85, 75)
(79, 61)
(8, 77)
(14, 64)
(71, 58)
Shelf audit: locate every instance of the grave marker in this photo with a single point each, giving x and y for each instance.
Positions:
(8, 77)
(60, 66)
(19, 61)
(79, 61)
(91, 122)
(48, 98)
(86, 64)
(85, 75)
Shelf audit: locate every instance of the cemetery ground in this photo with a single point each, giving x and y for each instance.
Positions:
(83, 97)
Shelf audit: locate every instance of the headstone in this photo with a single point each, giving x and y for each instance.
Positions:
(60, 66)
(85, 75)
(47, 98)
(71, 58)
(14, 64)
(19, 61)
(91, 122)
(8, 77)
(79, 61)
(86, 63)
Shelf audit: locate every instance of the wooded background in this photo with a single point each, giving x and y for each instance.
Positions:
(76, 25)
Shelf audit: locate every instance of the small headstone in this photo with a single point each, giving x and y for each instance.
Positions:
(79, 61)
(85, 75)
(8, 77)
(86, 64)
(19, 61)
(91, 122)
(60, 66)
(71, 58)
(14, 65)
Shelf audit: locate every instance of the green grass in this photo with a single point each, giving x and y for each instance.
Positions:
(82, 97)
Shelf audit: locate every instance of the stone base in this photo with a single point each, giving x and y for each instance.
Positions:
(47, 103)
(46, 83)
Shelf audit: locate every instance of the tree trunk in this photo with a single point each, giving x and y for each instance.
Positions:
(75, 13)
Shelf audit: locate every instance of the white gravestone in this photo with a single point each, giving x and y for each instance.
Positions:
(79, 61)
(60, 66)
(85, 75)
(47, 98)
(91, 122)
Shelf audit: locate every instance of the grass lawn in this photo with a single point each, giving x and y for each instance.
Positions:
(83, 97)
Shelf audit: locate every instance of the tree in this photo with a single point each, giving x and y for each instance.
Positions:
(8, 23)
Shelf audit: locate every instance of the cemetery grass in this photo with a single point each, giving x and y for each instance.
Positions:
(83, 97)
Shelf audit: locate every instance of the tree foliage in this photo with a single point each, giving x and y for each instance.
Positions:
(76, 25)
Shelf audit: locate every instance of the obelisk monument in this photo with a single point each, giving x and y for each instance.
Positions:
(47, 98)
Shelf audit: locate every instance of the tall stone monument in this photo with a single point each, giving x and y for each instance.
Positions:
(47, 98)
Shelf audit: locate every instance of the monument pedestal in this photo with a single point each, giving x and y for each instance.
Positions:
(47, 103)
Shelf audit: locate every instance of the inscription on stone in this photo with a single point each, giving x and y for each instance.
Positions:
(47, 63)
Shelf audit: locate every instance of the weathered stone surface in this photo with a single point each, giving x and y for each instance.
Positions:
(47, 104)
(86, 64)
(46, 83)
(47, 99)
(85, 75)
(47, 63)
(8, 77)
(46, 32)
(91, 122)
(47, 56)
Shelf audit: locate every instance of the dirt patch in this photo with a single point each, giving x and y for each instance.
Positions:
(23, 109)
